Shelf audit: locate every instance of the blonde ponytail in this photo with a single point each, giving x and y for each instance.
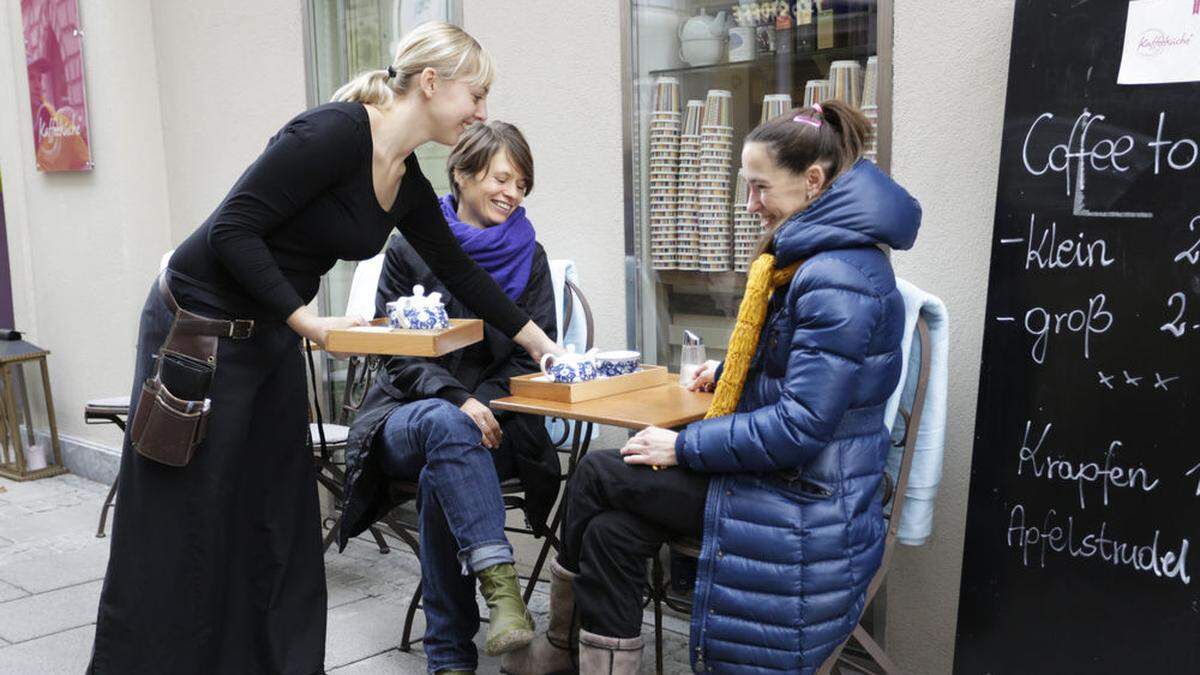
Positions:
(446, 48)
(371, 87)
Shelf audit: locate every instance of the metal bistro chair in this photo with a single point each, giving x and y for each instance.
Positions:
(114, 410)
(328, 438)
(107, 411)
(872, 658)
(581, 434)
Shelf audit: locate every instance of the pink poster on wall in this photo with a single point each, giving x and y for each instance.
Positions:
(54, 59)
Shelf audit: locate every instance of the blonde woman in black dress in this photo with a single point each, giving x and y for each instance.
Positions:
(216, 566)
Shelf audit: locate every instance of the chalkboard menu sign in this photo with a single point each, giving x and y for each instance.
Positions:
(1083, 529)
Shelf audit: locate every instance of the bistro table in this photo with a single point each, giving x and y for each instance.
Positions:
(666, 405)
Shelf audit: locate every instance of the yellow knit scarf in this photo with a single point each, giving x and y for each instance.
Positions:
(762, 280)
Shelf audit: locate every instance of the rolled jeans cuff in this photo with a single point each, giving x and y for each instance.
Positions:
(482, 556)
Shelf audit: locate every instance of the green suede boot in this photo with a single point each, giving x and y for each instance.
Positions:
(510, 625)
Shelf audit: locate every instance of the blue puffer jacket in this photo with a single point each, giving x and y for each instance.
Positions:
(793, 530)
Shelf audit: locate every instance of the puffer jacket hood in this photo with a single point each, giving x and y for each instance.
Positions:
(863, 207)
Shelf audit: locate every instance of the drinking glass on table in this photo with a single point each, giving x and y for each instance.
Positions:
(691, 358)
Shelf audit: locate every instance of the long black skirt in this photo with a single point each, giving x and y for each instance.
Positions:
(217, 567)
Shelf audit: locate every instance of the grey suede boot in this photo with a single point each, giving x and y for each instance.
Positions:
(600, 655)
(552, 651)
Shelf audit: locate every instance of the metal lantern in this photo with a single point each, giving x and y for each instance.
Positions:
(30, 447)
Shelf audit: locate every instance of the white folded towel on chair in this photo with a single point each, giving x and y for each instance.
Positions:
(916, 523)
(576, 334)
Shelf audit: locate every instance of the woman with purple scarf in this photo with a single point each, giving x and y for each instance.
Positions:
(427, 420)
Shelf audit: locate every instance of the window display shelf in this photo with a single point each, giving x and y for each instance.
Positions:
(768, 64)
(690, 232)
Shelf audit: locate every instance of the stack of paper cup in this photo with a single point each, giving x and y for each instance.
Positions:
(815, 91)
(845, 81)
(664, 171)
(687, 224)
(747, 228)
(774, 105)
(716, 164)
(870, 107)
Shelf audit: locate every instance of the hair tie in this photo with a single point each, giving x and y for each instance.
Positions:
(816, 124)
(391, 72)
(818, 108)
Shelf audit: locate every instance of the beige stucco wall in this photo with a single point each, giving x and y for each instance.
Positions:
(951, 66)
(181, 96)
(560, 82)
(84, 246)
(231, 73)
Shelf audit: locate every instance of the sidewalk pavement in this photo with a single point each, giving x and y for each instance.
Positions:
(52, 566)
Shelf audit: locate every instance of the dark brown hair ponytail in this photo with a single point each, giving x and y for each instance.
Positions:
(831, 134)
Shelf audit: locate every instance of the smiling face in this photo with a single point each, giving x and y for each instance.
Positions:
(776, 193)
(454, 105)
(490, 197)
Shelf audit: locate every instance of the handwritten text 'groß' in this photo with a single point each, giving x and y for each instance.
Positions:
(1088, 321)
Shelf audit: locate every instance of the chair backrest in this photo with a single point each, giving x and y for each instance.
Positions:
(363, 287)
(567, 295)
(582, 334)
(572, 294)
(360, 302)
(912, 429)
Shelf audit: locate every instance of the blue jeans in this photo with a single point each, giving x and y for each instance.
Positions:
(461, 519)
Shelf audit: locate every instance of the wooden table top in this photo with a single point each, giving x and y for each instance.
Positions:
(668, 405)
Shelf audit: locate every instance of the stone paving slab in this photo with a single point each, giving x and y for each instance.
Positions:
(51, 567)
(56, 563)
(390, 662)
(58, 654)
(47, 613)
(10, 592)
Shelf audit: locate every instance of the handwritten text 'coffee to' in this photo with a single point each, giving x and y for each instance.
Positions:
(1099, 153)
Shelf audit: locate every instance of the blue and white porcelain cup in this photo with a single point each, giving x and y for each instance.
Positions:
(570, 367)
(619, 362)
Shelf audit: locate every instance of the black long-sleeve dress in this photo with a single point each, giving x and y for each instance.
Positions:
(217, 567)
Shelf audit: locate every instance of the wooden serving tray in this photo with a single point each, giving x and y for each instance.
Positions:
(379, 338)
(528, 386)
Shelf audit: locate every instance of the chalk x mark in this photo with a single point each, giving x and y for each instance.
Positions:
(1161, 383)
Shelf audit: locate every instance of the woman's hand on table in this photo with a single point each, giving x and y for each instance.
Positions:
(652, 446)
(705, 379)
(316, 328)
(483, 418)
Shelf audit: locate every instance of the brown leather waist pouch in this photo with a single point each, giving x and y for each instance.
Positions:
(167, 429)
(173, 407)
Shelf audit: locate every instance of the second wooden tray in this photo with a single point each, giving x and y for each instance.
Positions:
(527, 385)
(381, 339)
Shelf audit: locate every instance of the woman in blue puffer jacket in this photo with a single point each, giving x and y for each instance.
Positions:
(784, 489)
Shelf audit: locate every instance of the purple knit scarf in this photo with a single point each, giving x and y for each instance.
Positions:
(504, 250)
